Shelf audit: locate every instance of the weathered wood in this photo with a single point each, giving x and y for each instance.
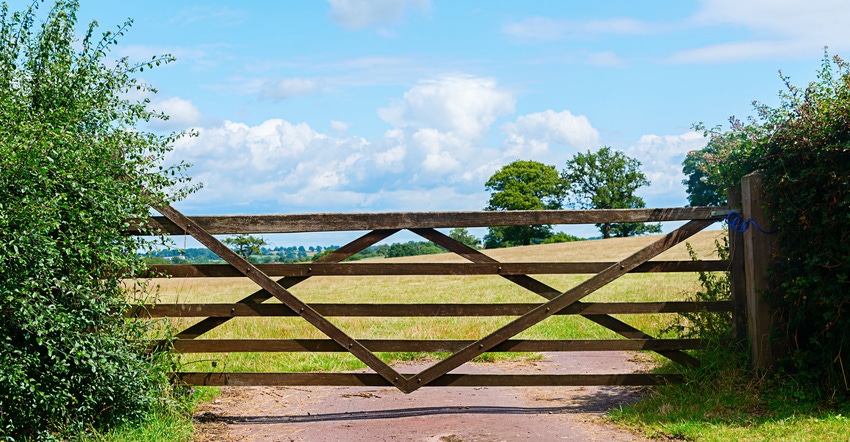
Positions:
(429, 345)
(421, 310)
(388, 269)
(447, 380)
(556, 304)
(272, 287)
(330, 222)
(758, 249)
(737, 273)
(424, 224)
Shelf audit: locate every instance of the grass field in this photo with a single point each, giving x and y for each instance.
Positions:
(433, 289)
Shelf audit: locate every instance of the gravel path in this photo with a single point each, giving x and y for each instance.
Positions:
(438, 414)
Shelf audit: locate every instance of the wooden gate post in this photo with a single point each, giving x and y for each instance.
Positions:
(758, 248)
(737, 274)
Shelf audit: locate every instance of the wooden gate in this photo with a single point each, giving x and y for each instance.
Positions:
(382, 225)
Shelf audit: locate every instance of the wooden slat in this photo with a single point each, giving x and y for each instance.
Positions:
(422, 310)
(387, 269)
(429, 345)
(446, 380)
(330, 222)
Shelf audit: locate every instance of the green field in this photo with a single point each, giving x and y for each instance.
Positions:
(432, 289)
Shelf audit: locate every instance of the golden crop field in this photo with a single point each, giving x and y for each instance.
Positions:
(433, 289)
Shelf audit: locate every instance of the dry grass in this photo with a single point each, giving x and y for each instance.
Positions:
(432, 289)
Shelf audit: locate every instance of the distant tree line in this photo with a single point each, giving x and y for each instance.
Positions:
(291, 254)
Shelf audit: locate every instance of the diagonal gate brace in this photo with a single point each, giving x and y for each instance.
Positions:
(554, 305)
(275, 289)
(549, 292)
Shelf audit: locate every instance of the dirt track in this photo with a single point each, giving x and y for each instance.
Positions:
(438, 414)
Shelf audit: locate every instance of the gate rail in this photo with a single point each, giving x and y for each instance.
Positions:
(382, 225)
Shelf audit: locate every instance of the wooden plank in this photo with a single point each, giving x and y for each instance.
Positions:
(287, 282)
(556, 304)
(456, 269)
(272, 287)
(758, 249)
(429, 345)
(421, 310)
(447, 380)
(331, 222)
(737, 273)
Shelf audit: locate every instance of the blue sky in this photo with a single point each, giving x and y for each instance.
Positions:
(410, 105)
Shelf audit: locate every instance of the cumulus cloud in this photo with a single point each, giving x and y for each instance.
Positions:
(359, 14)
(183, 114)
(290, 167)
(463, 105)
(533, 133)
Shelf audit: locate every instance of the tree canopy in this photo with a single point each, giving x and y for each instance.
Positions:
(607, 179)
(75, 170)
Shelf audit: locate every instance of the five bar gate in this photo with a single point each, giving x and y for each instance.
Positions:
(381, 226)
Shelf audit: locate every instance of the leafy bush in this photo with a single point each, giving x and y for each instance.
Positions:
(73, 170)
(715, 286)
(803, 147)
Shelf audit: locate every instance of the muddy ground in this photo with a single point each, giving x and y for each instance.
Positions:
(435, 414)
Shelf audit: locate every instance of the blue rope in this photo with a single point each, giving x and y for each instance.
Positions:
(738, 224)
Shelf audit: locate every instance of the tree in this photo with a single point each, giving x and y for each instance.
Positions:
(522, 185)
(463, 236)
(75, 170)
(245, 245)
(608, 179)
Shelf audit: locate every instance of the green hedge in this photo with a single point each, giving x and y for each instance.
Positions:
(803, 147)
(73, 170)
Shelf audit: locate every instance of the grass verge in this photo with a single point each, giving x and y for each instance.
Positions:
(168, 423)
(723, 400)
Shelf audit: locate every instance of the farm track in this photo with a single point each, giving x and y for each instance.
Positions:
(436, 414)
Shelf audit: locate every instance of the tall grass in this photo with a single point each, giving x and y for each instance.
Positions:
(432, 289)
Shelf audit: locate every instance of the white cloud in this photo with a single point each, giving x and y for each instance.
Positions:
(661, 161)
(463, 105)
(183, 114)
(289, 87)
(532, 133)
(359, 14)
